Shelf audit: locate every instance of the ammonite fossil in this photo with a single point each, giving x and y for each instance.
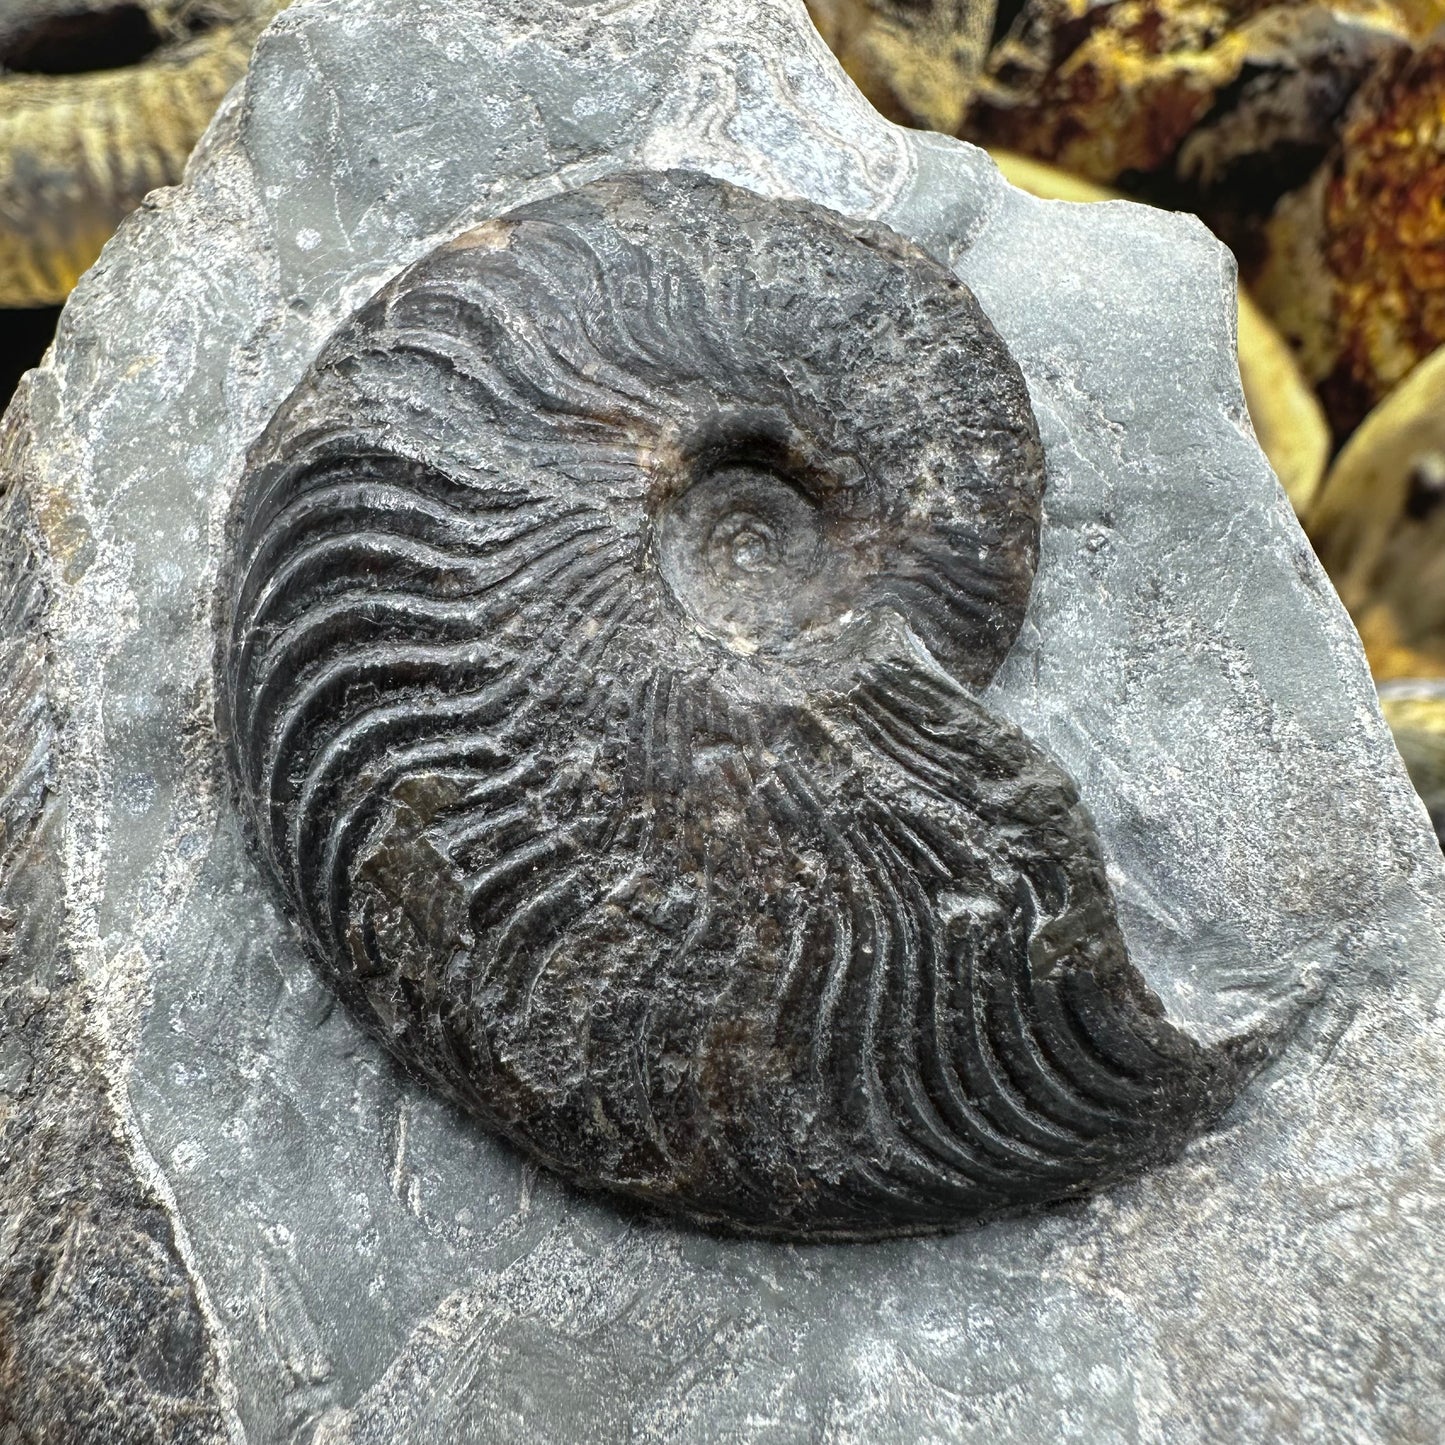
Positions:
(100, 102)
(599, 664)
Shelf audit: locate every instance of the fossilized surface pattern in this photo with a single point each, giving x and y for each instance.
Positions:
(597, 661)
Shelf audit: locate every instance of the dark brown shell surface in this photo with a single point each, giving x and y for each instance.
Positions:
(599, 661)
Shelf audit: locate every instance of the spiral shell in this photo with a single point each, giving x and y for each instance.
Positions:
(598, 663)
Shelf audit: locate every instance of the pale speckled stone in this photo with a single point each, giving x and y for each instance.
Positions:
(357, 1264)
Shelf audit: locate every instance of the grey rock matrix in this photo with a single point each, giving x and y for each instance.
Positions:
(228, 1215)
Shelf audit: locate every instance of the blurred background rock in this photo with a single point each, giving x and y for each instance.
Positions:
(1309, 136)
(100, 102)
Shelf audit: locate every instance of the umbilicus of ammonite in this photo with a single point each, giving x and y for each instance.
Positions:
(600, 666)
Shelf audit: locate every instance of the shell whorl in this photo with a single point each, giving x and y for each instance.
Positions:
(598, 666)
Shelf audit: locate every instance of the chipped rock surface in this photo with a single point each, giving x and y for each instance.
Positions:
(228, 1216)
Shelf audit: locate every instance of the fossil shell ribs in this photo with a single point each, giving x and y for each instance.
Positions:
(598, 665)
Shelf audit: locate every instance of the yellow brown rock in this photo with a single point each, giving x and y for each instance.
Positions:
(915, 60)
(1415, 711)
(100, 103)
(1219, 106)
(1379, 527)
(1101, 90)
(1356, 268)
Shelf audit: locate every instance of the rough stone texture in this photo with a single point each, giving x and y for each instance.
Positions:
(340, 1255)
(100, 1334)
